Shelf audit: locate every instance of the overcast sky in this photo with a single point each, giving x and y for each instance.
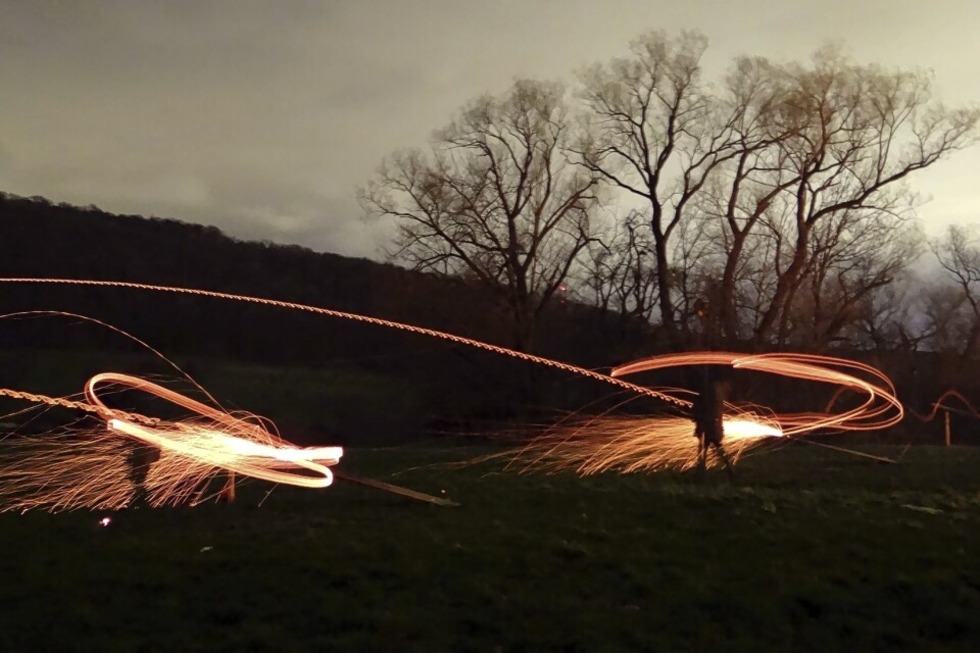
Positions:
(263, 117)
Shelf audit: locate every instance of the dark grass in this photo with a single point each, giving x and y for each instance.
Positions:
(811, 551)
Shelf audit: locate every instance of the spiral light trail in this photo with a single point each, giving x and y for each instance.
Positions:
(96, 468)
(632, 444)
(90, 468)
(607, 443)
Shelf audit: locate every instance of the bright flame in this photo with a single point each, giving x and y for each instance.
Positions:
(644, 444)
(740, 428)
(607, 444)
(95, 471)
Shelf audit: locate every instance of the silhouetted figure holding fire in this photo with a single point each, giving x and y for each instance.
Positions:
(709, 404)
(707, 412)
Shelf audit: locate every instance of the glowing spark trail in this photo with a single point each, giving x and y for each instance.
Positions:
(223, 440)
(941, 404)
(91, 470)
(880, 409)
(276, 303)
(632, 444)
(626, 444)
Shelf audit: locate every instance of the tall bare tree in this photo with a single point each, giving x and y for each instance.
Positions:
(495, 199)
(656, 134)
(780, 197)
(617, 269)
(958, 251)
(854, 134)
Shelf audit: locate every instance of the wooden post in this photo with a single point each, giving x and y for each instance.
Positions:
(394, 489)
(228, 491)
(948, 438)
(880, 459)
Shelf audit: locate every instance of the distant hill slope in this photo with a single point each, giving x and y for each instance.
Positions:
(391, 379)
(39, 238)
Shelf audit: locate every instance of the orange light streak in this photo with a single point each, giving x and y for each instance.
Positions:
(880, 408)
(631, 444)
(251, 451)
(91, 470)
(432, 333)
(941, 403)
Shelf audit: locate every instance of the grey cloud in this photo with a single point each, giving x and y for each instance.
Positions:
(293, 213)
(262, 117)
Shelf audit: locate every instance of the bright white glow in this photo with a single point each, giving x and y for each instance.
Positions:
(739, 427)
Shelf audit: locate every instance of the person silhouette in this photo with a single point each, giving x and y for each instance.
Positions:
(707, 411)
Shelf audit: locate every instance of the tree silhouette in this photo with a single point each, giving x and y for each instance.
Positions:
(495, 200)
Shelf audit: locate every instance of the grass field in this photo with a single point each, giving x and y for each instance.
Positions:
(811, 550)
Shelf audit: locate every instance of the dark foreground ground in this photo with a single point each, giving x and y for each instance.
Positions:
(811, 551)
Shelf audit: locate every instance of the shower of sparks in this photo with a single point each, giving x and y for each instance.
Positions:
(634, 444)
(606, 443)
(93, 468)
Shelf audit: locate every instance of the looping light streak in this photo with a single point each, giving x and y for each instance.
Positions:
(91, 469)
(633, 444)
(941, 403)
(880, 408)
(223, 440)
(627, 444)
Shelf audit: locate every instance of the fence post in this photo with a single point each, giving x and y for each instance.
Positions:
(227, 494)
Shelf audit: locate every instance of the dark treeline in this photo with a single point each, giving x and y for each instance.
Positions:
(452, 386)
(45, 240)
(39, 238)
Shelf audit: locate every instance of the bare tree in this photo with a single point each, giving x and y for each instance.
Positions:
(787, 185)
(952, 328)
(892, 318)
(739, 200)
(495, 198)
(617, 269)
(958, 251)
(855, 133)
(656, 134)
(851, 255)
